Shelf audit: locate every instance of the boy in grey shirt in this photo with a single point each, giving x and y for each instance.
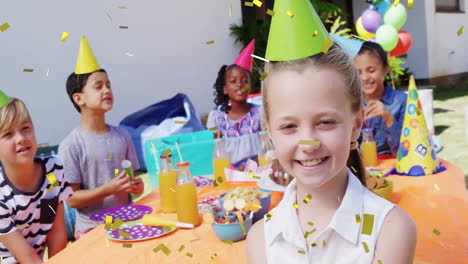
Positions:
(93, 151)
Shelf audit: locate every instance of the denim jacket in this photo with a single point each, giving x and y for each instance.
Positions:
(388, 139)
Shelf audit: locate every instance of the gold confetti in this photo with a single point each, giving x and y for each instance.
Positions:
(118, 222)
(189, 255)
(22, 226)
(180, 122)
(172, 190)
(123, 7)
(309, 142)
(248, 3)
(230, 10)
(108, 219)
(437, 187)
(181, 248)
(291, 15)
(107, 242)
(4, 27)
(53, 181)
(324, 243)
(310, 223)
(257, 3)
(116, 172)
(123, 27)
(296, 205)
(410, 4)
(358, 219)
(194, 240)
(228, 241)
(354, 170)
(327, 43)
(368, 224)
(165, 153)
(124, 234)
(245, 88)
(301, 252)
(380, 261)
(28, 70)
(126, 245)
(436, 232)
(461, 30)
(214, 256)
(210, 42)
(263, 77)
(213, 128)
(307, 199)
(396, 2)
(109, 157)
(315, 33)
(162, 248)
(129, 54)
(269, 215)
(270, 12)
(313, 244)
(64, 36)
(366, 248)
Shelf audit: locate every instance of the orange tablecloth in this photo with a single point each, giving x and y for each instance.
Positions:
(445, 210)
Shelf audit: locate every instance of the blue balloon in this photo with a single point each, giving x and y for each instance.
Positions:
(383, 7)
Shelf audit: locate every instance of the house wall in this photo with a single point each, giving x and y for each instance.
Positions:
(167, 39)
(448, 52)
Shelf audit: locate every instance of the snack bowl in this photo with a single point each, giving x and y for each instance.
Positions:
(264, 202)
(231, 231)
(385, 192)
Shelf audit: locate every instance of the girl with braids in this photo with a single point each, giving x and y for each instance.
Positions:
(313, 108)
(237, 121)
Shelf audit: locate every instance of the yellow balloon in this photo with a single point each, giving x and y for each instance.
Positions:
(362, 32)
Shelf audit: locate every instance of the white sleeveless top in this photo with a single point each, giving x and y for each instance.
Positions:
(343, 236)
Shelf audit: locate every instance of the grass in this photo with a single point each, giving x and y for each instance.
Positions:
(449, 124)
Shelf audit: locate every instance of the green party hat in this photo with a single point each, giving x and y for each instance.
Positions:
(296, 32)
(4, 99)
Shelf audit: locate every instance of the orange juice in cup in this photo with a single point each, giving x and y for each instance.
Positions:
(220, 162)
(186, 196)
(368, 148)
(167, 182)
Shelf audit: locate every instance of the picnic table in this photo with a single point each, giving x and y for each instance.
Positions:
(436, 202)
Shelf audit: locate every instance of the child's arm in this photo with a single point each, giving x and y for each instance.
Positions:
(256, 243)
(57, 236)
(82, 198)
(20, 248)
(397, 238)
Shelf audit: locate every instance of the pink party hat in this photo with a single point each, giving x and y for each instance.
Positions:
(245, 59)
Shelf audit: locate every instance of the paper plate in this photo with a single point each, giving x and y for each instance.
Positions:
(138, 232)
(125, 213)
(268, 184)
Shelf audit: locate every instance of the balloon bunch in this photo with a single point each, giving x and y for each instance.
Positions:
(381, 23)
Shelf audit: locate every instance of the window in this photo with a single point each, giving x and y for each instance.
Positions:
(448, 6)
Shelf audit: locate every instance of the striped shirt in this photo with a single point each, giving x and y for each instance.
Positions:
(32, 213)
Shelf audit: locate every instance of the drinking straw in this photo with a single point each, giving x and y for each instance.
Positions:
(178, 151)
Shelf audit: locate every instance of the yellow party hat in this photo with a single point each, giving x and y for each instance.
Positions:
(86, 62)
(416, 153)
(296, 32)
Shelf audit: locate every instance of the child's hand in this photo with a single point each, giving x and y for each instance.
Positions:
(120, 184)
(137, 186)
(377, 108)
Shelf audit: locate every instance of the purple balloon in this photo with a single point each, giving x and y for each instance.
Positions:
(371, 20)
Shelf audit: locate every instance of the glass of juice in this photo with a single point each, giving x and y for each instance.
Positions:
(368, 148)
(220, 162)
(167, 182)
(186, 196)
(264, 148)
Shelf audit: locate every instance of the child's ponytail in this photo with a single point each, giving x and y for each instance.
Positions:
(355, 164)
(221, 98)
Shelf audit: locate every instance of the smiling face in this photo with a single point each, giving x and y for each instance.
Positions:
(236, 79)
(372, 74)
(96, 94)
(311, 105)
